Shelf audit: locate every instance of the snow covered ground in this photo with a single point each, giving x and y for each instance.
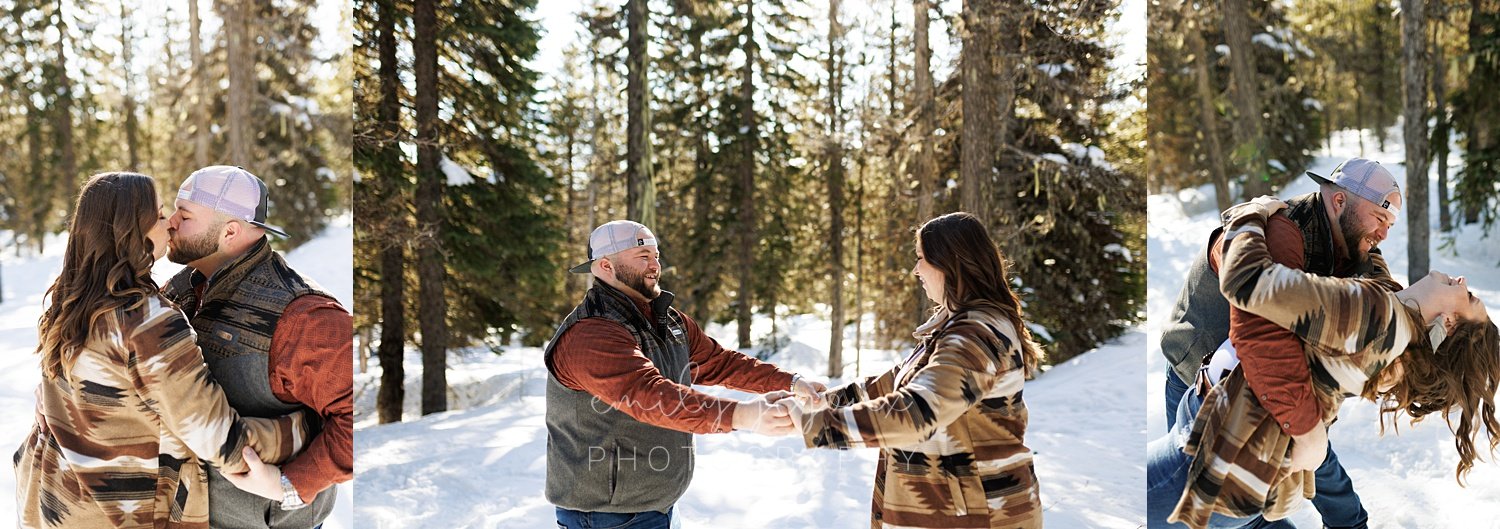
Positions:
(484, 465)
(1404, 480)
(327, 259)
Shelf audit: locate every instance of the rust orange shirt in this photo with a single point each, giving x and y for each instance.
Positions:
(1275, 366)
(601, 357)
(312, 363)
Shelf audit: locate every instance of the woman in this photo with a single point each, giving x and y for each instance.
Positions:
(949, 419)
(1429, 348)
(126, 408)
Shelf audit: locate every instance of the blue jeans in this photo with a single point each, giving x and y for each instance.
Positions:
(1166, 476)
(570, 519)
(1175, 388)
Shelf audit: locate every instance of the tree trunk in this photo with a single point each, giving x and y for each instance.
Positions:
(891, 62)
(1208, 123)
(639, 196)
(63, 124)
(433, 302)
(924, 167)
(1440, 110)
(392, 397)
(976, 63)
(1481, 140)
(859, 260)
(132, 145)
(37, 185)
(746, 212)
(836, 190)
(1414, 132)
(200, 88)
(1248, 139)
(598, 167)
(704, 194)
(241, 83)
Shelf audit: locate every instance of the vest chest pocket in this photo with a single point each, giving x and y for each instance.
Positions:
(219, 340)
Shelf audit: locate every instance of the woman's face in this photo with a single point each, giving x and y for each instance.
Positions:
(158, 234)
(930, 277)
(1453, 293)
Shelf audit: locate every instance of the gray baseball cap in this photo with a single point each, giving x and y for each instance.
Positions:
(614, 237)
(232, 191)
(1367, 179)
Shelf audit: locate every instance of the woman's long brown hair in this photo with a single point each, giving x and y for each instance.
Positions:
(974, 273)
(107, 266)
(1463, 372)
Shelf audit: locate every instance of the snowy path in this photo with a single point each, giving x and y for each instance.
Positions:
(327, 259)
(1404, 480)
(485, 466)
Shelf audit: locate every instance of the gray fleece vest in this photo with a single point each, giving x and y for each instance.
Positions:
(235, 321)
(598, 458)
(1200, 318)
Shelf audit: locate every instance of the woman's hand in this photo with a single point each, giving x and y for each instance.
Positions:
(809, 392)
(1268, 204)
(262, 479)
(1263, 206)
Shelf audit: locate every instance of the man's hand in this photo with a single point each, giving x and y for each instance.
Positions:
(1309, 449)
(262, 480)
(763, 415)
(809, 392)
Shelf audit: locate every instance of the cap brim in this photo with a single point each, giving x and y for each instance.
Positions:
(1318, 178)
(272, 229)
(582, 268)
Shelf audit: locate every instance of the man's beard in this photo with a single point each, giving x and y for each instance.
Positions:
(637, 282)
(1353, 236)
(183, 251)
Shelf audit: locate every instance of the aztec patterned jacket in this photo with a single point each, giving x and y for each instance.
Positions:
(1351, 329)
(118, 441)
(949, 422)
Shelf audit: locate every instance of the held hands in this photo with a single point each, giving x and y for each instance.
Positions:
(780, 412)
(763, 415)
(262, 479)
(1309, 449)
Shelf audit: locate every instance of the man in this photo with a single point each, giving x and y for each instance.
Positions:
(621, 412)
(273, 340)
(1361, 199)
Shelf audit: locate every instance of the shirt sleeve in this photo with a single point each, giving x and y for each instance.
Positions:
(861, 390)
(174, 383)
(713, 365)
(312, 363)
(960, 371)
(1275, 366)
(600, 357)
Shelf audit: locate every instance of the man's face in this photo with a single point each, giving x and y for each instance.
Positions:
(193, 233)
(1364, 225)
(639, 269)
